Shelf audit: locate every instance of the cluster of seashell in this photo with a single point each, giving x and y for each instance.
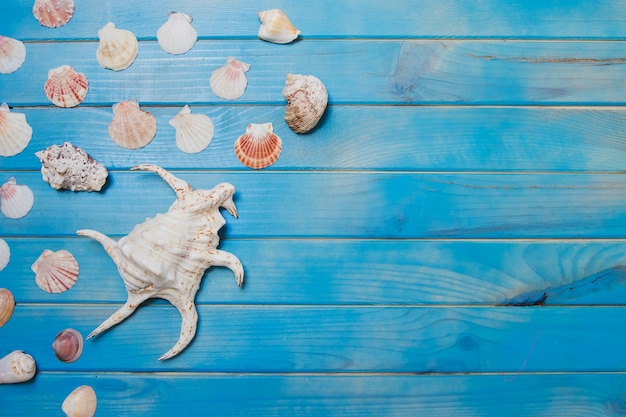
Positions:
(16, 200)
(55, 272)
(15, 132)
(70, 167)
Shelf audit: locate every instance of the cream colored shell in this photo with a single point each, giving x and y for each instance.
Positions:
(229, 81)
(131, 127)
(7, 305)
(15, 132)
(177, 35)
(276, 27)
(117, 48)
(5, 254)
(81, 402)
(17, 367)
(12, 54)
(307, 99)
(55, 272)
(16, 200)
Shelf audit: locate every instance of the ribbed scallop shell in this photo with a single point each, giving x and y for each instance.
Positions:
(229, 81)
(117, 49)
(7, 305)
(68, 345)
(5, 254)
(81, 402)
(177, 35)
(15, 132)
(307, 99)
(131, 127)
(66, 87)
(12, 54)
(194, 132)
(259, 147)
(17, 367)
(15, 200)
(53, 13)
(55, 272)
(276, 27)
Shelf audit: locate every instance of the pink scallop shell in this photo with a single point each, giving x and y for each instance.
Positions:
(66, 87)
(12, 54)
(53, 13)
(16, 200)
(131, 127)
(229, 81)
(55, 272)
(259, 147)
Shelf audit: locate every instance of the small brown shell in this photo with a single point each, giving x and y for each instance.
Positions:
(259, 147)
(7, 305)
(53, 13)
(55, 272)
(66, 87)
(68, 345)
(81, 402)
(131, 127)
(307, 99)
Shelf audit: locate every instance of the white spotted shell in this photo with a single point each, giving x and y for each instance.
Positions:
(194, 132)
(177, 35)
(12, 54)
(131, 127)
(53, 13)
(66, 87)
(259, 147)
(16, 200)
(15, 132)
(55, 272)
(17, 367)
(117, 48)
(307, 99)
(276, 27)
(81, 402)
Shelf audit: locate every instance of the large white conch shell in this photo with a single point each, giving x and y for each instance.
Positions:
(166, 256)
(17, 367)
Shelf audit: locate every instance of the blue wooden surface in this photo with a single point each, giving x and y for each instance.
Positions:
(449, 241)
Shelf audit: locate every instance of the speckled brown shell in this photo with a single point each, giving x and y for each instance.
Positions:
(307, 99)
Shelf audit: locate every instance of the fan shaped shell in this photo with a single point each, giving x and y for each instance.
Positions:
(68, 345)
(229, 81)
(276, 27)
(7, 305)
(194, 132)
(53, 13)
(117, 48)
(66, 87)
(12, 54)
(307, 99)
(55, 272)
(15, 132)
(259, 147)
(16, 200)
(131, 127)
(81, 402)
(177, 35)
(5, 254)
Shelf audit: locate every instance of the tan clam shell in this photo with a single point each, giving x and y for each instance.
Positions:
(55, 272)
(68, 345)
(7, 305)
(5, 254)
(16, 200)
(177, 35)
(12, 54)
(276, 27)
(53, 13)
(66, 87)
(259, 147)
(194, 132)
(131, 127)
(307, 99)
(117, 48)
(81, 402)
(229, 81)
(15, 132)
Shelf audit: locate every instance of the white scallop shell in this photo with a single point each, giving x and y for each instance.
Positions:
(131, 127)
(7, 305)
(117, 49)
(55, 272)
(15, 200)
(259, 147)
(229, 81)
(15, 132)
(66, 87)
(5, 254)
(12, 54)
(53, 13)
(72, 168)
(194, 132)
(276, 27)
(17, 367)
(307, 99)
(81, 402)
(177, 35)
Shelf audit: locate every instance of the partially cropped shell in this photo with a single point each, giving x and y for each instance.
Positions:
(177, 35)
(7, 305)
(259, 147)
(55, 272)
(53, 13)
(229, 81)
(307, 99)
(276, 27)
(65, 87)
(71, 168)
(68, 345)
(194, 132)
(12, 54)
(16, 200)
(17, 367)
(81, 402)
(117, 49)
(5, 254)
(15, 132)
(131, 127)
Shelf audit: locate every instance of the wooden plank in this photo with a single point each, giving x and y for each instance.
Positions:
(349, 205)
(330, 339)
(426, 18)
(312, 271)
(394, 138)
(324, 395)
(354, 72)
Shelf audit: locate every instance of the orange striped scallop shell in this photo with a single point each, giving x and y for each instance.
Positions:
(53, 13)
(66, 87)
(259, 147)
(55, 272)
